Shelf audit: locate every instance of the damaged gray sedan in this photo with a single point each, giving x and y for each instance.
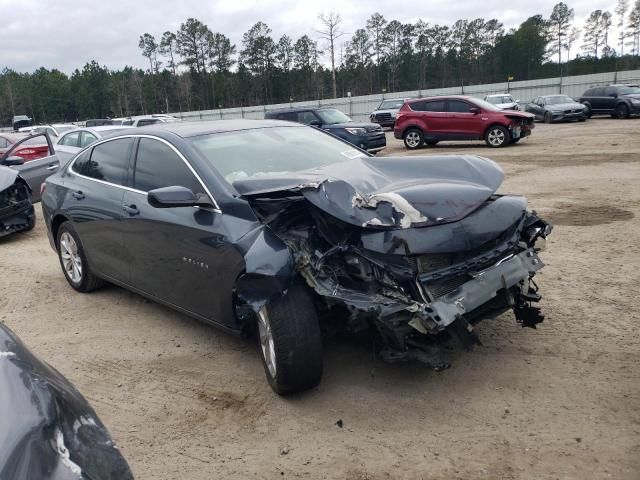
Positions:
(280, 229)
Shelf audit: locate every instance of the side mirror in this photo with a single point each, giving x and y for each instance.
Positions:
(13, 161)
(315, 123)
(474, 110)
(175, 196)
(613, 95)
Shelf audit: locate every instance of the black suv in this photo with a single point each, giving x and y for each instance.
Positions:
(618, 100)
(367, 136)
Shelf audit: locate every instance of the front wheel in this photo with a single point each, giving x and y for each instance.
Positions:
(73, 260)
(622, 111)
(413, 139)
(548, 118)
(497, 136)
(291, 341)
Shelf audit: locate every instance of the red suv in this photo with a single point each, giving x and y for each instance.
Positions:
(430, 120)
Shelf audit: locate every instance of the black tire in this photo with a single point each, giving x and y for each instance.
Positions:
(548, 118)
(582, 119)
(497, 136)
(622, 111)
(413, 138)
(431, 143)
(588, 111)
(87, 281)
(291, 323)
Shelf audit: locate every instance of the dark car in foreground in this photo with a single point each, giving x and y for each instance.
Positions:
(365, 135)
(620, 101)
(49, 430)
(557, 108)
(271, 226)
(431, 120)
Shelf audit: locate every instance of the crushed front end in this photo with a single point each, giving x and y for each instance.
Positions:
(417, 261)
(16, 210)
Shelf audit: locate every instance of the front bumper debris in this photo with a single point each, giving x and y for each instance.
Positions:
(512, 271)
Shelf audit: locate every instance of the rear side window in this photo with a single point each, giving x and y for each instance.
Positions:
(457, 106)
(147, 121)
(70, 140)
(87, 138)
(108, 161)
(307, 117)
(289, 116)
(158, 165)
(598, 92)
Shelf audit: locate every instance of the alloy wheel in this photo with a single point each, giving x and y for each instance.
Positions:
(266, 341)
(412, 139)
(71, 261)
(496, 137)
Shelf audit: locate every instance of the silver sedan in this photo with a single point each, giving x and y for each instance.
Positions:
(73, 141)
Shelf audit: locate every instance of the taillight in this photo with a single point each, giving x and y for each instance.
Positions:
(26, 151)
(43, 187)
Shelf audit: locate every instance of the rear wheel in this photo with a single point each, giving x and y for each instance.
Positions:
(74, 261)
(413, 138)
(622, 111)
(291, 341)
(497, 136)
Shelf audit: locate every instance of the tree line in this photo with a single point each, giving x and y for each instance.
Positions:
(196, 68)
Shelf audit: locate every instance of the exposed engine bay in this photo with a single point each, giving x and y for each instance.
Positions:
(418, 249)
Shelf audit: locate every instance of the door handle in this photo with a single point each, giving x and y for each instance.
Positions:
(52, 167)
(78, 195)
(131, 209)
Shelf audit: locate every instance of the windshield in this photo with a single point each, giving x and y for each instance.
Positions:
(500, 99)
(485, 105)
(628, 90)
(262, 152)
(391, 104)
(331, 115)
(558, 99)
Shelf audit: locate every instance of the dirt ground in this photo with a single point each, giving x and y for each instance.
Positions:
(185, 401)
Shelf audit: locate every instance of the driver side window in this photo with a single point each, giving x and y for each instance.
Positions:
(158, 165)
(307, 117)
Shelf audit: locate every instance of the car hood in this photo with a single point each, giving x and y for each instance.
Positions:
(389, 192)
(635, 96)
(368, 125)
(386, 110)
(8, 177)
(565, 106)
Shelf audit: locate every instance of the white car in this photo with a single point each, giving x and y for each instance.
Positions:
(75, 140)
(504, 101)
(144, 120)
(54, 130)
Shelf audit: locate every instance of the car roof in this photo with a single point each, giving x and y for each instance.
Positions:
(442, 97)
(193, 129)
(301, 109)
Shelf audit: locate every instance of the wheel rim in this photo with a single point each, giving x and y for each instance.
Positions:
(412, 139)
(266, 341)
(71, 261)
(496, 137)
(622, 112)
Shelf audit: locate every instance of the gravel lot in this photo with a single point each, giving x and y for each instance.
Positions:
(185, 401)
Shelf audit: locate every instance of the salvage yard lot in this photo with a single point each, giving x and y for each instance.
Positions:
(186, 401)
